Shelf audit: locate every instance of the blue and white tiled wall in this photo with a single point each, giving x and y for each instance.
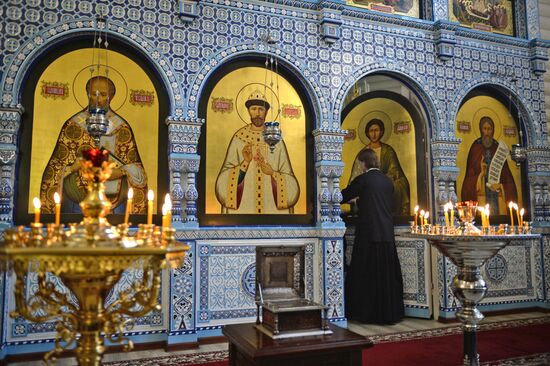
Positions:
(327, 45)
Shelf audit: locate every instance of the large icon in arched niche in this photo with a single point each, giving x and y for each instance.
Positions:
(487, 131)
(59, 132)
(243, 176)
(385, 126)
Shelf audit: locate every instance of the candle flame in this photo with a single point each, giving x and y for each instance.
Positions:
(416, 208)
(422, 212)
(511, 205)
(56, 198)
(168, 201)
(164, 209)
(446, 207)
(515, 206)
(150, 195)
(522, 211)
(427, 214)
(131, 193)
(36, 202)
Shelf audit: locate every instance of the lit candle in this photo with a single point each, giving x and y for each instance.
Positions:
(426, 216)
(452, 220)
(416, 215)
(168, 203)
(487, 215)
(36, 203)
(517, 213)
(422, 217)
(129, 205)
(482, 213)
(150, 198)
(57, 200)
(164, 214)
(511, 207)
(446, 208)
(521, 212)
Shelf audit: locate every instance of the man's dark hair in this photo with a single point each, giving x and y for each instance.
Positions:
(485, 120)
(375, 122)
(112, 88)
(368, 156)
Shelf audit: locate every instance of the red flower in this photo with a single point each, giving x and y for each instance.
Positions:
(96, 156)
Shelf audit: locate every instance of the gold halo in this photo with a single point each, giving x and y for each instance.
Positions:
(245, 92)
(370, 116)
(487, 112)
(82, 77)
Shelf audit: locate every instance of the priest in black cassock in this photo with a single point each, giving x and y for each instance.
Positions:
(374, 285)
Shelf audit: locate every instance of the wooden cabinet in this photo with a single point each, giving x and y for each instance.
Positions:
(250, 347)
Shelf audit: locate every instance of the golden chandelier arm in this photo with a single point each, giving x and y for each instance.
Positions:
(50, 303)
(143, 295)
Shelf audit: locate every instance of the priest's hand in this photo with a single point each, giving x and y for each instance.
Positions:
(264, 165)
(117, 173)
(267, 169)
(495, 187)
(247, 153)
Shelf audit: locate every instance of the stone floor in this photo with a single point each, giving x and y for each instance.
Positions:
(408, 324)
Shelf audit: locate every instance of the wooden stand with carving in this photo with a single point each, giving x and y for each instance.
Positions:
(250, 347)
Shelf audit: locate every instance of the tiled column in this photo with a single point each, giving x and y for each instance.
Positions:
(538, 164)
(445, 173)
(329, 167)
(10, 120)
(183, 137)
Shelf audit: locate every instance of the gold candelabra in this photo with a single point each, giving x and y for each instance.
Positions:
(89, 257)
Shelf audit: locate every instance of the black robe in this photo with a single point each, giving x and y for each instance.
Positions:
(374, 284)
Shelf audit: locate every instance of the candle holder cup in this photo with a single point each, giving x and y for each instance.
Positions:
(466, 214)
(55, 233)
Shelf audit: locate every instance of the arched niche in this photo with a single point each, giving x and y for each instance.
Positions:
(403, 143)
(495, 109)
(32, 84)
(223, 106)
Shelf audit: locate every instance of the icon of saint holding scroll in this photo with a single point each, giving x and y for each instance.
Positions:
(488, 177)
